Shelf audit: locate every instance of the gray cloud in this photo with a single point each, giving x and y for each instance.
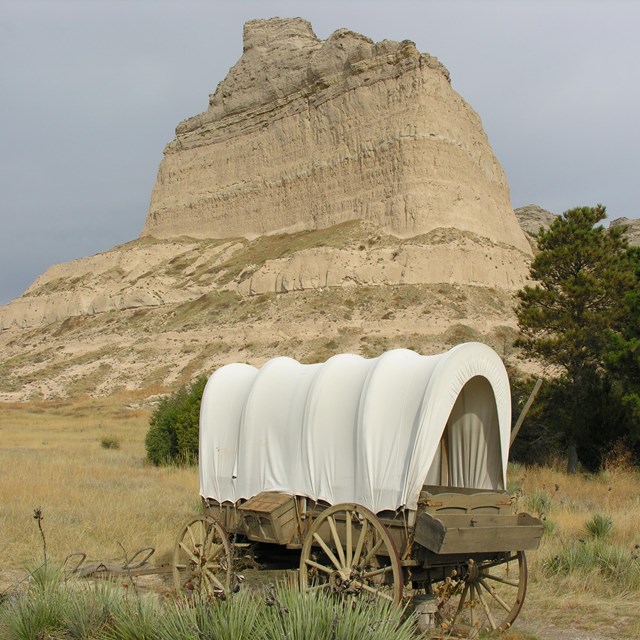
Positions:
(91, 92)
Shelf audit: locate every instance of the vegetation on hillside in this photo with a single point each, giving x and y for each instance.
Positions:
(582, 319)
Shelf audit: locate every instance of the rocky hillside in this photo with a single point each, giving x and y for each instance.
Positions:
(533, 218)
(336, 196)
(633, 229)
(152, 313)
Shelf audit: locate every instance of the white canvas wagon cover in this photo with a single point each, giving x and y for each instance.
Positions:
(351, 429)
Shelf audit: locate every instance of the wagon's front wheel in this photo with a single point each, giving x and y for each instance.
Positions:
(202, 559)
(348, 551)
(486, 595)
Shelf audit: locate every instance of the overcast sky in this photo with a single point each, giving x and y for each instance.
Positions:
(91, 91)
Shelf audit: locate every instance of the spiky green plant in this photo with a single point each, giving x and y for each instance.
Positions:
(599, 526)
(538, 502)
(607, 567)
(40, 612)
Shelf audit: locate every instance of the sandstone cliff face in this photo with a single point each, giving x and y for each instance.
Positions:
(306, 134)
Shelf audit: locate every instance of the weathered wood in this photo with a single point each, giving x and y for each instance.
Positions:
(525, 410)
(269, 517)
(461, 502)
(447, 534)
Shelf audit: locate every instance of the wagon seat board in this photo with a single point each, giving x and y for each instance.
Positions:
(356, 430)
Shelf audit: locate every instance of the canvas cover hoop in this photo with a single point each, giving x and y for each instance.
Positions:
(351, 429)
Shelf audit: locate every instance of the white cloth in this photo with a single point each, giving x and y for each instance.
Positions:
(356, 430)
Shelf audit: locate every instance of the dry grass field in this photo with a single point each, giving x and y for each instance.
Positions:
(82, 463)
(93, 498)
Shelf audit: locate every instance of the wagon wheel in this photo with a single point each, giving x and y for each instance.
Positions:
(202, 559)
(348, 551)
(486, 596)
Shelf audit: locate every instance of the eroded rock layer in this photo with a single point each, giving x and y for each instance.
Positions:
(306, 134)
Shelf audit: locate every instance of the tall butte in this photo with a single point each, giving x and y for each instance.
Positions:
(306, 133)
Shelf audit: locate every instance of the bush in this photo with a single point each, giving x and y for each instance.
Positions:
(538, 502)
(599, 526)
(110, 442)
(173, 426)
(604, 567)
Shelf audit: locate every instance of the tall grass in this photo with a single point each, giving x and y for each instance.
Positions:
(93, 499)
(61, 610)
(601, 567)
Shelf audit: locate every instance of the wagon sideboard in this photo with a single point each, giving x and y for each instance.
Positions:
(446, 523)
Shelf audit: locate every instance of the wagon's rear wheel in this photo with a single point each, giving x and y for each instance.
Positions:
(202, 559)
(348, 551)
(486, 596)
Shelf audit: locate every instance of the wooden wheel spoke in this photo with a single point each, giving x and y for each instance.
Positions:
(214, 551)
(461, 603)
(193, 540)
(186, 549)
(318, 566)
(205, 585)
(494, 595)
(328, 551)
(373, 551)
(472, 590)
(349, 540)
(210, 540)
(360, 543)
(196, 533)
(213, 579)
(377, 572)
(336, 540)
(486, 609)
(490, 576)
(370, 589)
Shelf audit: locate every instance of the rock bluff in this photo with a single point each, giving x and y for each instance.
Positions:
(304, 134)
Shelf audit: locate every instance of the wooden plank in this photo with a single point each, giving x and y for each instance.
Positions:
(514, 533)
(267, 502)
(461, 502)
(475, 519)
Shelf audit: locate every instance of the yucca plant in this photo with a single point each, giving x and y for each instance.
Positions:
(609, 568)
(234, 619)
(39, 613)
(90, 609)
(136, 619)
(599, 526)
(539, 503)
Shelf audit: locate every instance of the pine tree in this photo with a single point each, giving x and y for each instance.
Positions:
(584, 274)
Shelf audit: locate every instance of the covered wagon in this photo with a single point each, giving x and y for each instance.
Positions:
(382, 477)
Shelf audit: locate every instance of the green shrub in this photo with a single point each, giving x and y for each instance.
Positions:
(40, 612)
(607, 567)
(599, 526)
(110, 442)
(539, 503)
(173, 427)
